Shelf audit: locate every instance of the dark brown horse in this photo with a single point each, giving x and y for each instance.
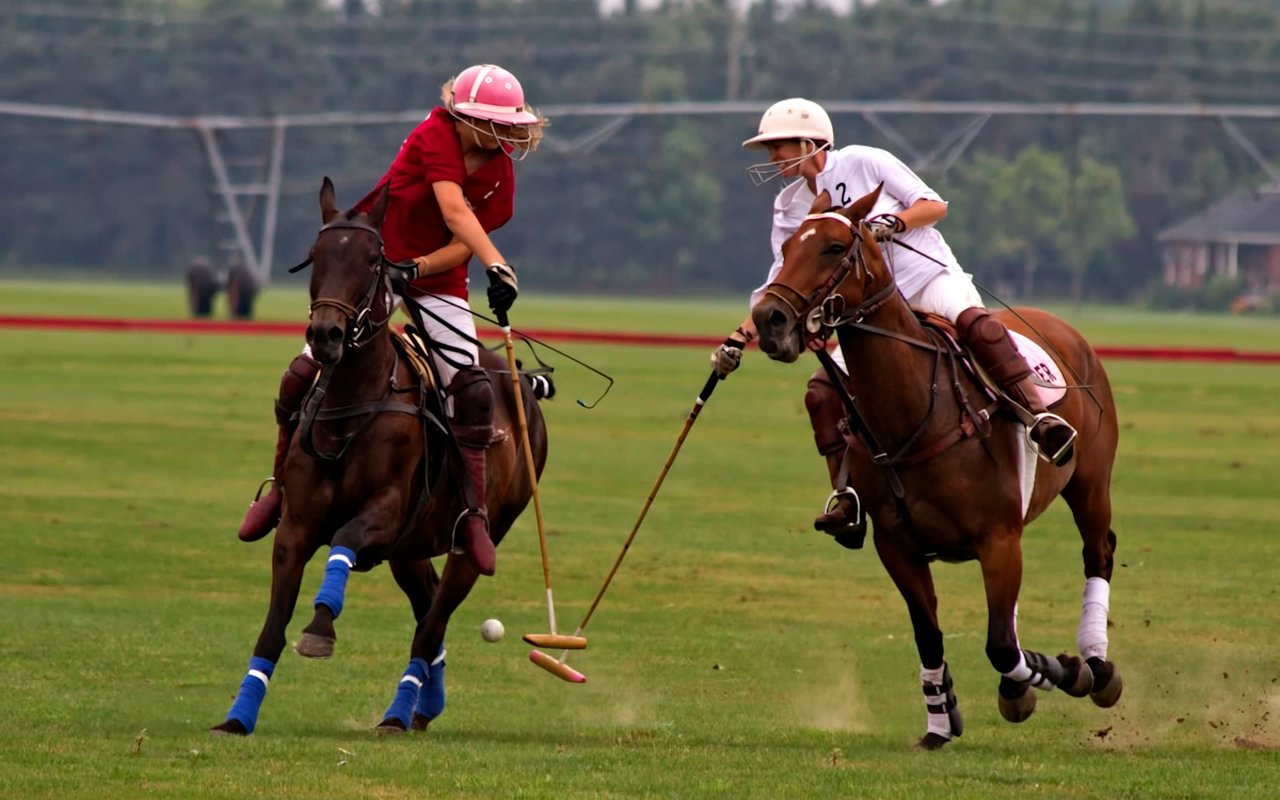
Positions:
(371, 474)
(947, 478)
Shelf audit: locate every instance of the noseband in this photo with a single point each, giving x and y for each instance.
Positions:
(824, 306)
(359, 329)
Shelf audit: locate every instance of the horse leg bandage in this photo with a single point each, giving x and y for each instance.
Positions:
(334, 588)
(431, 698)
(407, 691)
(1091, 636)
(253, 689)
(1036, 669)
(940, 702)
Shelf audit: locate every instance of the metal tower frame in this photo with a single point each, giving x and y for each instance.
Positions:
(257, 256)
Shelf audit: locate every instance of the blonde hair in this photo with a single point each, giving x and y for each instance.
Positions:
(526, 137)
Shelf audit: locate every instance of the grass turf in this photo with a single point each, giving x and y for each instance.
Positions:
(738, 654)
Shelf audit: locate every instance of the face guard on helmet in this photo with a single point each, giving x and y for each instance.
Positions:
(489, 100)
(792, 119)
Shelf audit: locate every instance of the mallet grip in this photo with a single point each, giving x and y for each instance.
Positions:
(710, 387)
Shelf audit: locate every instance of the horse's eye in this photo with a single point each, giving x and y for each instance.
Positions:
(835, 249)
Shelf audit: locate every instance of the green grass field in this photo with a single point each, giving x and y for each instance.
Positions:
(738, 654)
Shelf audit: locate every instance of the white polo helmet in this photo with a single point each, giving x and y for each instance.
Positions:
(793, 118)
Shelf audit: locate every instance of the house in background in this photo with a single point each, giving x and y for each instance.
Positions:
(1238, 236)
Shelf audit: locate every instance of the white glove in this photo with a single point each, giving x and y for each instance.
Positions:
(886, 226)
(726, 357)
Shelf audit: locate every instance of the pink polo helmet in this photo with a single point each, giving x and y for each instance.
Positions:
(489, 92)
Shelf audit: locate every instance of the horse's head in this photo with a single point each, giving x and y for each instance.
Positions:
(348, 290)
(832, 269)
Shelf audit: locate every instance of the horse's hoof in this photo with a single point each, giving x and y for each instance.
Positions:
(232, 727)
(1079, 679)
(932, 741)
(1017, 701)
(420, 722)
(313, 646)
(390, 727)
(1107, 683)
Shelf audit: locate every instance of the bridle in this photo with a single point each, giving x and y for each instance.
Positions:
(824, 308)
(360, 329)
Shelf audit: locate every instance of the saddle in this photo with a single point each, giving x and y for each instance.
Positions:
(1046, 375)
(414, 350)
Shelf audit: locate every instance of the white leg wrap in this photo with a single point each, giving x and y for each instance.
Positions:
(937, 722)
(1023, 673)
(1091, 637)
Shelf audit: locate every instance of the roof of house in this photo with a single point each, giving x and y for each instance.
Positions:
(1250, 217)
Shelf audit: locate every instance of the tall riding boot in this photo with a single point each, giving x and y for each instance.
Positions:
(995, 352)
(264, 512)
(472, 426)
(843, 517)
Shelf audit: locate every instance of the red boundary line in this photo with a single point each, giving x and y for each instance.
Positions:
(218, 327)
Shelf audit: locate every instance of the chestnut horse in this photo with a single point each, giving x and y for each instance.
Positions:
(942, 471)
(371, 469)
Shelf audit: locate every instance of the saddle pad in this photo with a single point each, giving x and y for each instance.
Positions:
(412, 347)
(1045, 373)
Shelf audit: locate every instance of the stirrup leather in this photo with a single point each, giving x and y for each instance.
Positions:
(833, 502)
(1056, 456)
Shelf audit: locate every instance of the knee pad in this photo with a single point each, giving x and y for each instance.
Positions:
(472, 393)
(990, 344)
(294, 385)
(825, 413)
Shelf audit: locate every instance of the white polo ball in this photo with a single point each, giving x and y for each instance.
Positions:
(491, 630)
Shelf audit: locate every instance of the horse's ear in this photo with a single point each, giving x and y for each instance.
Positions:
(328, 201)
(380, 206)
(863, 205)
(821, 203)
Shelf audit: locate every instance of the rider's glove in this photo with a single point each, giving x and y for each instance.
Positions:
(502, 287)
(886, 226)
(726, 357)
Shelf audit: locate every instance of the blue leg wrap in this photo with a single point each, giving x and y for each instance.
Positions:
(407, 692)
(431, 698)
(334, 588)
(252, 690)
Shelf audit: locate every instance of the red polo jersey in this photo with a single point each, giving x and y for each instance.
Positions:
(413, 225)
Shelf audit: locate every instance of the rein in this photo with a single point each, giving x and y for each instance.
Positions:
(822, 313)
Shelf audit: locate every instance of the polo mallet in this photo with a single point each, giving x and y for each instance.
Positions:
(551, 639)
(558, 667)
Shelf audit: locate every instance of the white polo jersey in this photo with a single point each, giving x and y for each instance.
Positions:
(850, 173)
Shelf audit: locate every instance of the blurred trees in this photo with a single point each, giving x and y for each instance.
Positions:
(1039, 205)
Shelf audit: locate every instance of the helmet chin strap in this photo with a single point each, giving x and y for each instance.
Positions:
(766, 171)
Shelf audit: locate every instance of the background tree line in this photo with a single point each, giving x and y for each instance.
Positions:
(1041, 206)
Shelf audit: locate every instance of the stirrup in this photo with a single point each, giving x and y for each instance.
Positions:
(1060, 456)
(455, 536)
(853, 533)
(261, 486)
(833, 502)
(459, 529)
